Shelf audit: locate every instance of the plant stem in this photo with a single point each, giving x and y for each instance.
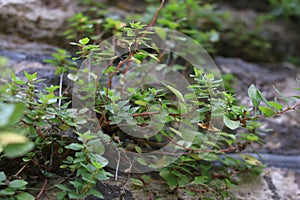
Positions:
(60, 89)
(42, 190)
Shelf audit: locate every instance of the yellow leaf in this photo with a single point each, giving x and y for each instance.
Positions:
(7, 138)
(208, 127)
(250, 159)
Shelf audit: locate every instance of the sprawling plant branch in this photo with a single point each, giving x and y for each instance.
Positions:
(156, 15)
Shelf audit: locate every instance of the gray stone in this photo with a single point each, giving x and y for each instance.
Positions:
(35, 19)
(274, 183)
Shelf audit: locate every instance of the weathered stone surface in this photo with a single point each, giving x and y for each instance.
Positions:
(17, 45)
(274, 183)
(35, 19)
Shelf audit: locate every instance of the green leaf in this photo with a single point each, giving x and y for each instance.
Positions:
(30, 77)
(75, 146)
(260, 95)
(17, 114)
(24, 195)
(252, 137)
(141, 103)
(2, 176)
(230, 123)
(84, 41)
(62, 187)
(176, 92)
(7, 191)
(266, 111)
(141, 161)
(170, 179)
(95, 146)
(281, 95)
(275, 105)
(16, 150)
(136, 182)
(74, 195)
(176, 131)
(17, 184)
(160, 32)
(200, 180)
(230, 161)
(146, 177)
(6, 111)
(183, 180)
(61, 195)
(208, 156)
(98, 158)
(138, 149)
(250, 159)
(96, 193)
(252, 92)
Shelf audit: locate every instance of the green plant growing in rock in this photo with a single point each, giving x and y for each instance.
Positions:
(88, 165)
(92, 23)
(32, 115)
(205, 166)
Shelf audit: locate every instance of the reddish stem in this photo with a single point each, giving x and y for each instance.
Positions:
(42, 190)
(156, 15)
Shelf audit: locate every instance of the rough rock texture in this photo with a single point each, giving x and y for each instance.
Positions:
(284, 139)
(17, 45)
(274, 183)
(35, 19)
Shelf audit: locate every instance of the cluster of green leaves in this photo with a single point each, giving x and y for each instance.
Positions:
(92, 23)
(201, 21)
(28, 114)
(205, 163)
(33, 121)
(286, 8)
(88, 165)
(14, 189)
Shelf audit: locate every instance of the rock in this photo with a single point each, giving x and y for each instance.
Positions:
(36, 19)
(274, 183)
(284, 137)
(20, 45)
